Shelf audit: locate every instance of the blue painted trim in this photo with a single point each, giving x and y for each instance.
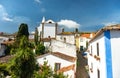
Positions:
(108, 54)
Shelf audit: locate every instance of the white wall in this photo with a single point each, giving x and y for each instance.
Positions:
(49, 30)
(53, 59)
(115, 44)
(59, 46)
(46, 44)
(69, 38)
(101, 65)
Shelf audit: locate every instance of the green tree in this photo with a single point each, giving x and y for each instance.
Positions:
(23, 65)
(40, 49)
(3, 70)
(23, 31)
(46, 72)
(59, 75)
(36, 36)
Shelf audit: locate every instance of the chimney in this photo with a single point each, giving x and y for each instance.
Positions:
(62, 30)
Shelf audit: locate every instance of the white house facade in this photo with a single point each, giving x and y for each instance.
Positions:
(83, 43)
(68, 38)
(64, 63)
(104, 55)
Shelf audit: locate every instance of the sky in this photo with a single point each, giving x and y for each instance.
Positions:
(86, 15)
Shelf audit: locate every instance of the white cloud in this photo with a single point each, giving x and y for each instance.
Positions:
(38, 1)
(21, 19)
(69, 23)
(4, 15)
(7, 19)
(110, 23)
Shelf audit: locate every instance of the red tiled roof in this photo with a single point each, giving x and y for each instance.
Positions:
(85, 35)
(64, 69)
(60, 55)
(47, 39)
(63, 56)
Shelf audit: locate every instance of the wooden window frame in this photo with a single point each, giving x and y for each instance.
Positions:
(57, 66)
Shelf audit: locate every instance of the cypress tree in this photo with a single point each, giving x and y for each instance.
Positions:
(23, 31)
(36, 36)
(23, 65)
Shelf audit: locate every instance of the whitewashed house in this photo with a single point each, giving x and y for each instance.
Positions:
(62, 56)
(61, 47)
(104, 53)
(59, 62)
(82, 40)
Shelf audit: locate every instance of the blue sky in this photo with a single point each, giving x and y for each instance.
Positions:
(87, 15)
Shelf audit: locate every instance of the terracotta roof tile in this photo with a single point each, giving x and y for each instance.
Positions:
(63, 56)
(85, 35)
(60, 55)
(47, 39)
(64, 69)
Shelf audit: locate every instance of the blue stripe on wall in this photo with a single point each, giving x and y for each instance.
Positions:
(108, 54)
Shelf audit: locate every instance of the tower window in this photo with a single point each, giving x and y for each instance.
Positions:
(50, 22)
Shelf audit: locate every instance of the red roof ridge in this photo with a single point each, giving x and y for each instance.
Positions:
(60, 55)
(64, 56)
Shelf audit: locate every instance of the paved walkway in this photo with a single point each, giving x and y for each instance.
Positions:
(80, 71)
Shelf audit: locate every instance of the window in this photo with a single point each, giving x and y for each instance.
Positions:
(50, 21)
(81, 48)
(98, 73)
(97, 49)
(65, 40)
(57, 66)
(91, 50)
(61, 37)
(91, 69)
(92, 65)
